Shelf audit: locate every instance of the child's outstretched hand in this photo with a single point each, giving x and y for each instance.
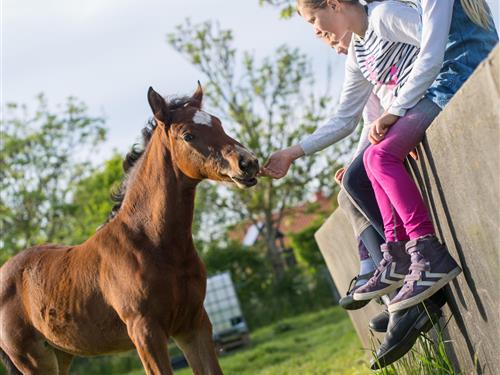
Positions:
(279, 162)
(380, 127)
(277, 165)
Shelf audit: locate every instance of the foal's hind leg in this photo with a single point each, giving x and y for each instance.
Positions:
(199, 348)
(25, 347)
(64, 361)
(33, 357)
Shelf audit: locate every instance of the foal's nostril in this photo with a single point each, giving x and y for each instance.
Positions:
(255, 164)
(248, 165)
(243, 163)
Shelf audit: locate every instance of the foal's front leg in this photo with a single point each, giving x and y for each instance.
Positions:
(151, 344)
(199, 348)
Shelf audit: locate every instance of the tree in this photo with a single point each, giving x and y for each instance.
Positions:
(249, 272)
(41, 157)
(305, 247)
(91, 203)
(266, 106)
(264, 299)
(287, 7)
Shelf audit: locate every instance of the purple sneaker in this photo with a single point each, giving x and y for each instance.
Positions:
(432, 267)
(390, 273)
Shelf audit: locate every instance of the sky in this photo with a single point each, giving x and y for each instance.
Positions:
(108, 52)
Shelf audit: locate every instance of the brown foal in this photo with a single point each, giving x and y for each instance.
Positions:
(138, 280)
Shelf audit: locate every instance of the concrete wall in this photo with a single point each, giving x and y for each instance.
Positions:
(339, 248)
(458, 173)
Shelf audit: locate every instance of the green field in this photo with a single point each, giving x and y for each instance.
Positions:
(317, 343)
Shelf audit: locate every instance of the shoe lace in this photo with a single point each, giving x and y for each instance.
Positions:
(352, 284)
(381, 266)
(387, 258)
(374, 278)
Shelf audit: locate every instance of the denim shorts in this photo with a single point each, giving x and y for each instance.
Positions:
(468, 44)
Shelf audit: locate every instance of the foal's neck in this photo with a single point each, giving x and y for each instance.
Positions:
(159, 203)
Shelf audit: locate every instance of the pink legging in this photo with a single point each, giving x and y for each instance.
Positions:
(403, 210)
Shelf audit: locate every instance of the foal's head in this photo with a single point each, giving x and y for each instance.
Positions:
(198, 144)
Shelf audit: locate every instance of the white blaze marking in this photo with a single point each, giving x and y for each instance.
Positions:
(202, 118)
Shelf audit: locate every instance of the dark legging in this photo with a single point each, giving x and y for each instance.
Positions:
(358, 186)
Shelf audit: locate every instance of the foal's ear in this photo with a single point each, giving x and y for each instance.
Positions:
(157, 104)
(197, 97)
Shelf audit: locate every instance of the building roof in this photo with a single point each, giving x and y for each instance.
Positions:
(295, 219)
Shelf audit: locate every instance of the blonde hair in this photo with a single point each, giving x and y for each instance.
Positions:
(320, 4)
(478, 11)
(312, 4)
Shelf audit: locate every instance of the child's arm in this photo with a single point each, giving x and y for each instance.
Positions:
(397, 22)
(436, 20)
(355, 93)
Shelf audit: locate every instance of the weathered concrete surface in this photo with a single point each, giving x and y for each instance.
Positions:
(461, 184)
(339, 249)
(458, 173)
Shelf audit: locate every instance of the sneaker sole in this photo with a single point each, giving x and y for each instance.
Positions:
(354, 305)
(398, 350)
(378, 293)
(426, 293)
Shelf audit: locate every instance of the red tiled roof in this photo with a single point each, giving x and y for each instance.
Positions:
(294, 219)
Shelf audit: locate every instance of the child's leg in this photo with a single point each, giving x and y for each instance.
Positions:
(392, 183)
(359, 189)
(366, 264)
(395, 264)
(393, 225)
(372, 240)
(358, 222)
(432, 266)
(361, 226)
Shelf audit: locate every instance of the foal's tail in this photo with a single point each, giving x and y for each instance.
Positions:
(9, 365)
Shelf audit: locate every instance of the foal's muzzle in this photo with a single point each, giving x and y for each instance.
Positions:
(248, 167)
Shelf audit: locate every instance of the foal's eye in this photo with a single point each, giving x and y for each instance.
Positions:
(188, 137)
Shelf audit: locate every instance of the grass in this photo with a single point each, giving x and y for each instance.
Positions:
(318, 343)
(324, 343)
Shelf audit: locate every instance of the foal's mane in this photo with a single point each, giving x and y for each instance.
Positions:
(137, 151)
